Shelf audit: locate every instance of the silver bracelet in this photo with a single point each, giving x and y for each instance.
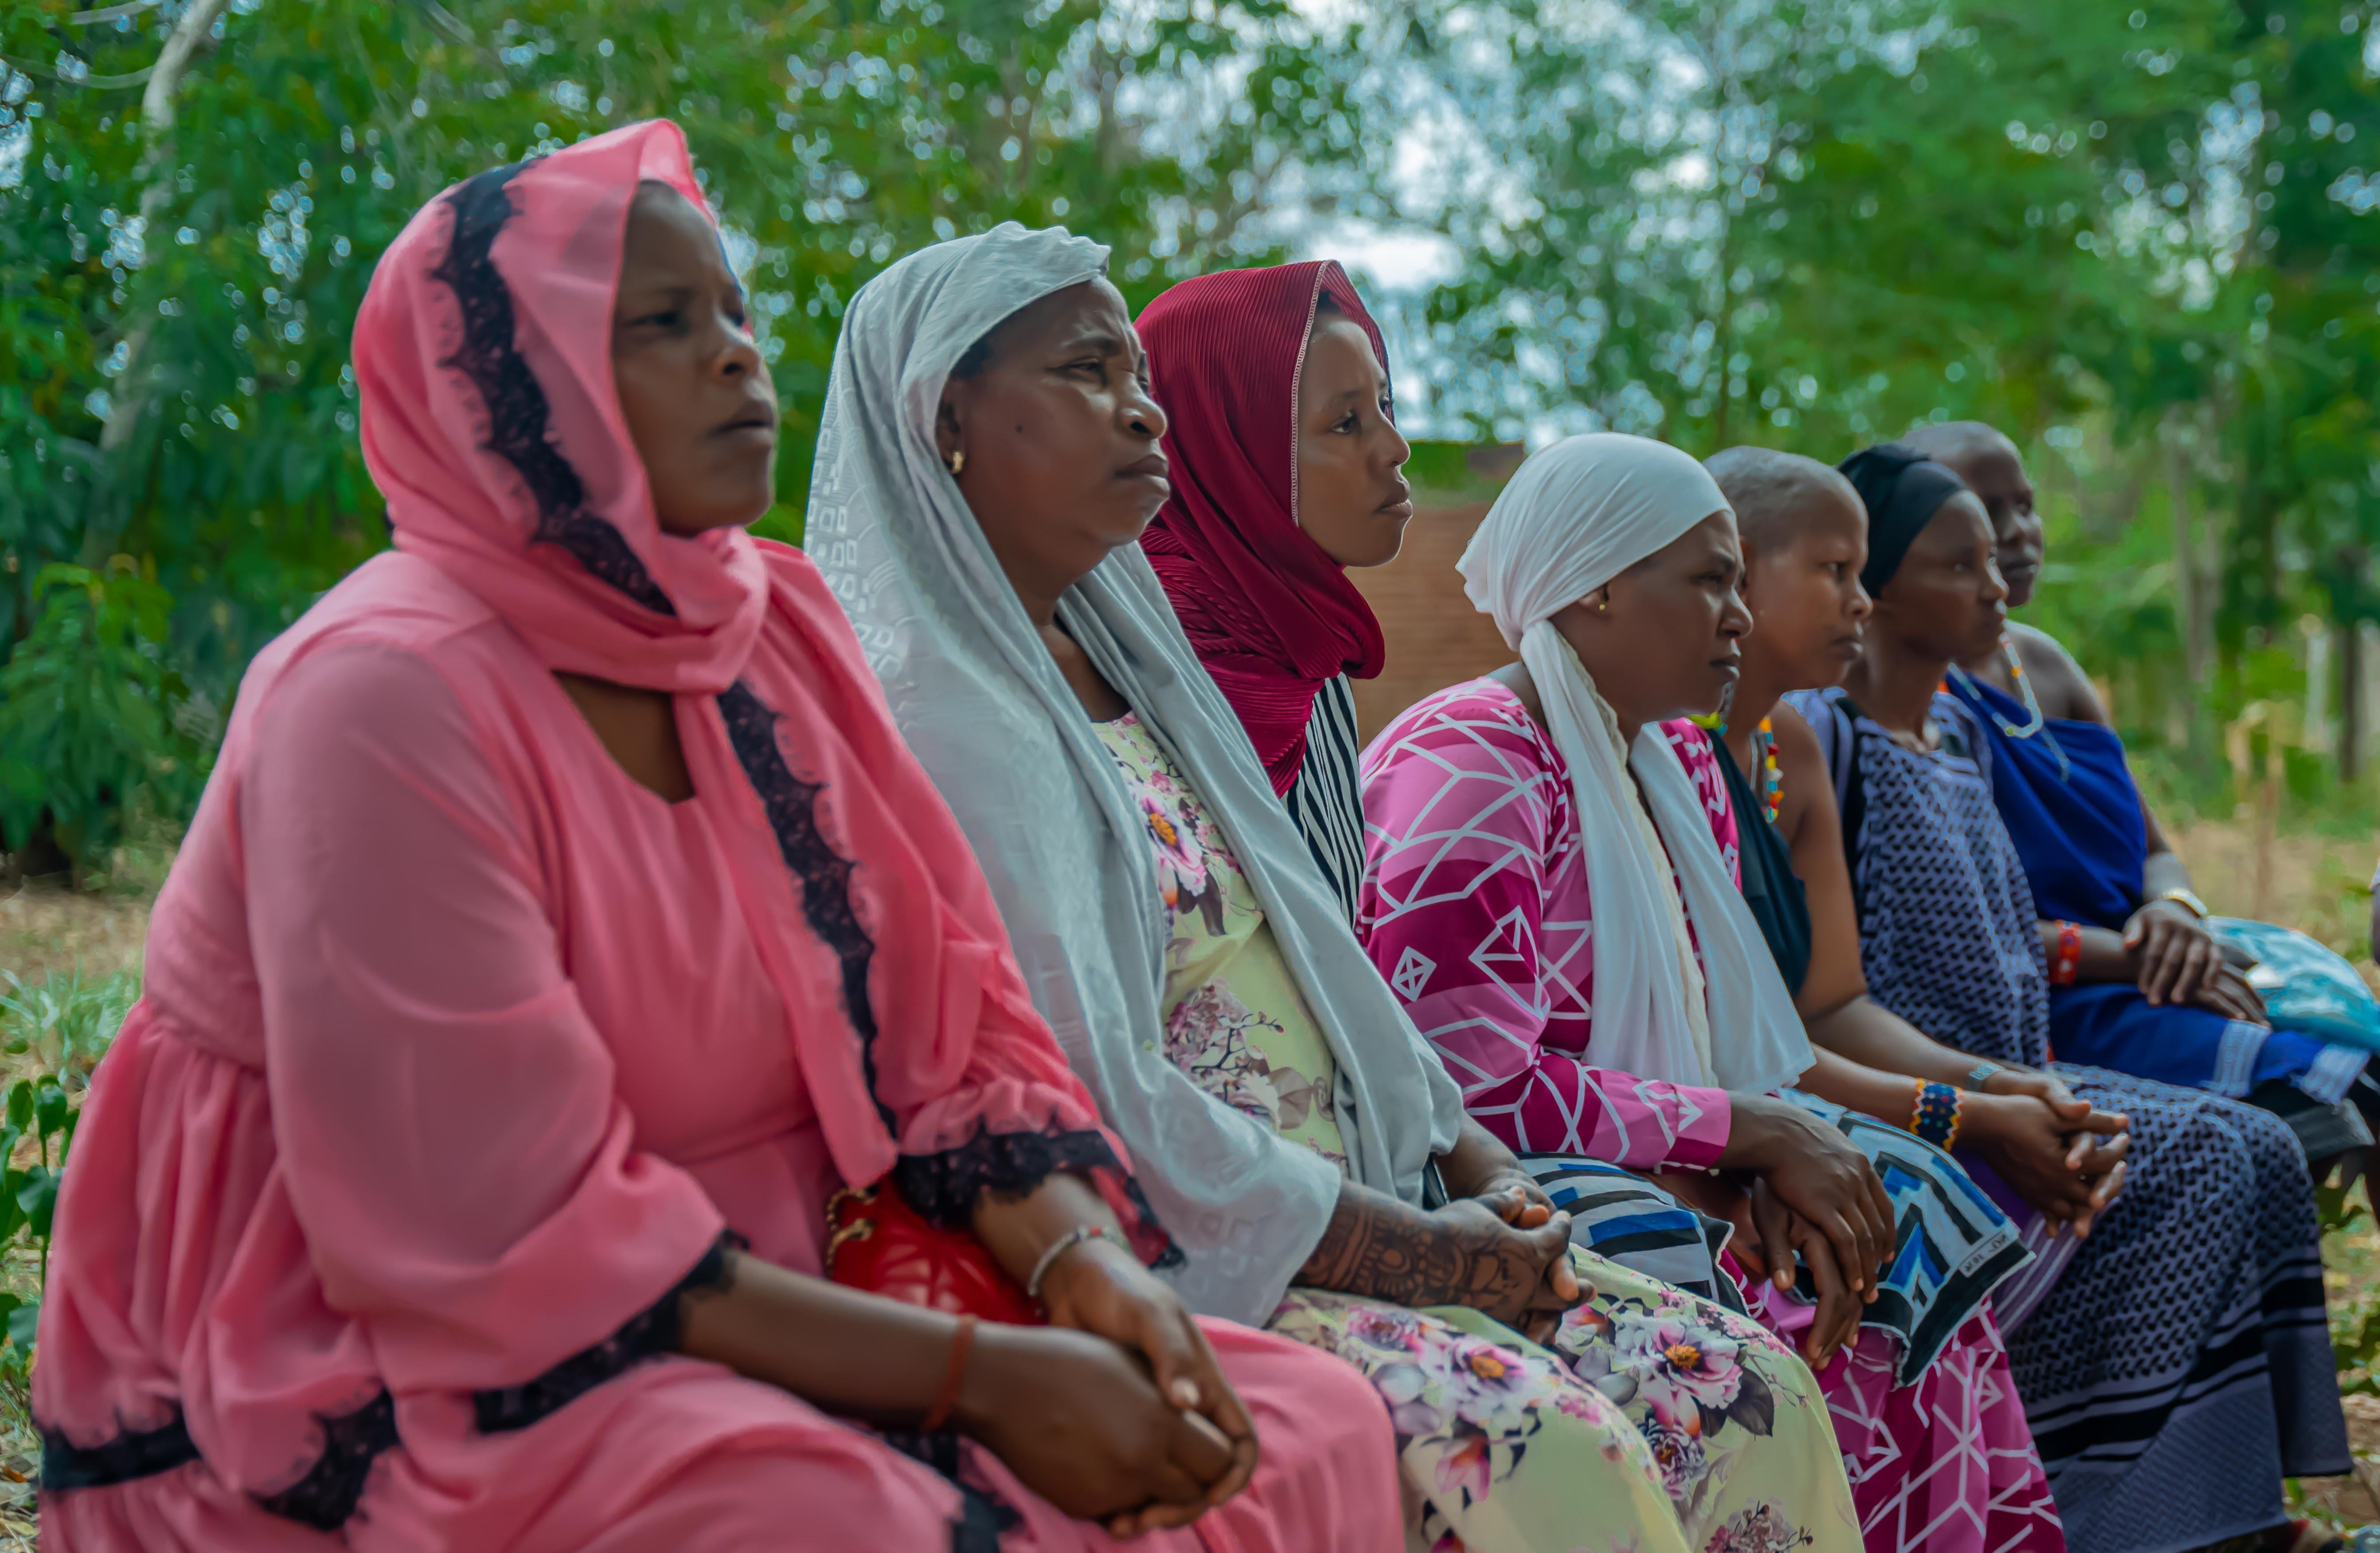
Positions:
(1982, 1075)
(1058, 1248)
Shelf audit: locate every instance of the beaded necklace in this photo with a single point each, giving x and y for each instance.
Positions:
(1764, 755)
(2035, 722)
(1772, 781)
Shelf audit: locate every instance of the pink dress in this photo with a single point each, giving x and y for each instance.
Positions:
(1475, 906)
(461, 1053)
(456, 1055)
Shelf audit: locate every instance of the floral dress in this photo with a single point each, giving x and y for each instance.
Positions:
(1629, 1433)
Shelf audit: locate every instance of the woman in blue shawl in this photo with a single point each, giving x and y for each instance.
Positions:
(2150, 994)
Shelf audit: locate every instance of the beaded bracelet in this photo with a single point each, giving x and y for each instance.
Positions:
(2067, 963)
(1935, 1118)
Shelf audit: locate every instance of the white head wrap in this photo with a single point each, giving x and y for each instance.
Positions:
(1576, 516)
(995, 724)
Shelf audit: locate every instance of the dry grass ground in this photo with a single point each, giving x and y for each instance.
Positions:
(2315, 883)
(44, 931)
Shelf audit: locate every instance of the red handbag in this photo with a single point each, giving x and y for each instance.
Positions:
(877, 1242)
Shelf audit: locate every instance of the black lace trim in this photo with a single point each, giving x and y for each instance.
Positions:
(329, 1492)
(648, 1335)
(133, 1454)
(824, 874)
(943, 1187)
(518, 415)
(325, 1499)
(982, 1517)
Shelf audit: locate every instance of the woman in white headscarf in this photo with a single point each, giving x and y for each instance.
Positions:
(988, 456)
(1551, 885)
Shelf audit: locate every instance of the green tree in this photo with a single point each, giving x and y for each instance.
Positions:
(193, 193)
(2148, 232)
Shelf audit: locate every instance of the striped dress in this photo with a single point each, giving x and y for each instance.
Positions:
(1326, 799)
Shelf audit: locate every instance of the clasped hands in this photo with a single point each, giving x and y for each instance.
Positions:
(2057, 1152)
(2174, 960)
(1116, 1411)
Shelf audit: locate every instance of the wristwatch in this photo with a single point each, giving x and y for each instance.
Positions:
(2182, 896)
(1981, 1075)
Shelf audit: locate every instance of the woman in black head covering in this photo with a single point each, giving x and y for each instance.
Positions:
(2194, 1312)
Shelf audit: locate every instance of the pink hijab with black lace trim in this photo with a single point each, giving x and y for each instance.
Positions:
(490, 422)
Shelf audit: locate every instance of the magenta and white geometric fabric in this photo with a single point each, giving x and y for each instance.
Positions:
(1474, 907)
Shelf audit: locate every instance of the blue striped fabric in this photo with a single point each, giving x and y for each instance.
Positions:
(1618, 1214)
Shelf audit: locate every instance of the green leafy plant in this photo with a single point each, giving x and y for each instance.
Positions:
(90, 712)
(59, 1028)
(2354, 1325)
(40, 1109)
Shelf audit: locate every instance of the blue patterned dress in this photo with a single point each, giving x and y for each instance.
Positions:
(2180, 1365)
(2065, 791)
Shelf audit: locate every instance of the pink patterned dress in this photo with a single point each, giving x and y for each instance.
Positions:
(1474, 907)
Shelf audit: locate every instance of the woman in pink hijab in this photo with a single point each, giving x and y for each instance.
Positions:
(565, 923)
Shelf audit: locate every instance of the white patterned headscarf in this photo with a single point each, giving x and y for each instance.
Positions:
(1575, 516)
(985, 709)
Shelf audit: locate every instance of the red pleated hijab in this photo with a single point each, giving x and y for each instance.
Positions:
(1271, 615)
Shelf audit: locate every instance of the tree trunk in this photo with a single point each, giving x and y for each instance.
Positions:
(2346, 650)
(2190, 586)
(111, 503)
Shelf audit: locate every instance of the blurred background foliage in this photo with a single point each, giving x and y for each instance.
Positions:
(192, 194)
(2145, 241)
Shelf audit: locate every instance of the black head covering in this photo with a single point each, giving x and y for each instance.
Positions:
(1903, 490)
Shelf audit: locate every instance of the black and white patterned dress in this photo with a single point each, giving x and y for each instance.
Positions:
(2180, 1367)
(1326, 800)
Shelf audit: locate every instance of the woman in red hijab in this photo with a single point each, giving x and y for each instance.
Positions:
(1286, 469)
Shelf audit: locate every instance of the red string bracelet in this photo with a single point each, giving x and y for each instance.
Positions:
(2067, 963)
(962, 1343)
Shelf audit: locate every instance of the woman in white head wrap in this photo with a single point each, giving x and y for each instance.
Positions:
(1564, 808)
(988, 455)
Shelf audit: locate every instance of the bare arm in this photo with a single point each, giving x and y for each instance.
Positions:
(1465, 1253)
(2061, 1155)
(2166, 952)
(858, 1354)
(1069, 1407)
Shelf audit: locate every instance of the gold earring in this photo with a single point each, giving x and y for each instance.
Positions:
(958, 461)
(1603, 605)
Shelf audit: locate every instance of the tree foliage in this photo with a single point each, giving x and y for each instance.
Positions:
(2146, 241)
(177, 288)
(2145, 237)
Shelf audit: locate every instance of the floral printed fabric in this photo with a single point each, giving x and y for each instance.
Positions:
(1656, 1422)
(1234, 1020)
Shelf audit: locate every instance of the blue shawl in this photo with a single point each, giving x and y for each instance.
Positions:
(2067, 796)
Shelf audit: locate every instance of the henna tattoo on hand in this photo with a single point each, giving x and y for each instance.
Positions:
(1383, 1248)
